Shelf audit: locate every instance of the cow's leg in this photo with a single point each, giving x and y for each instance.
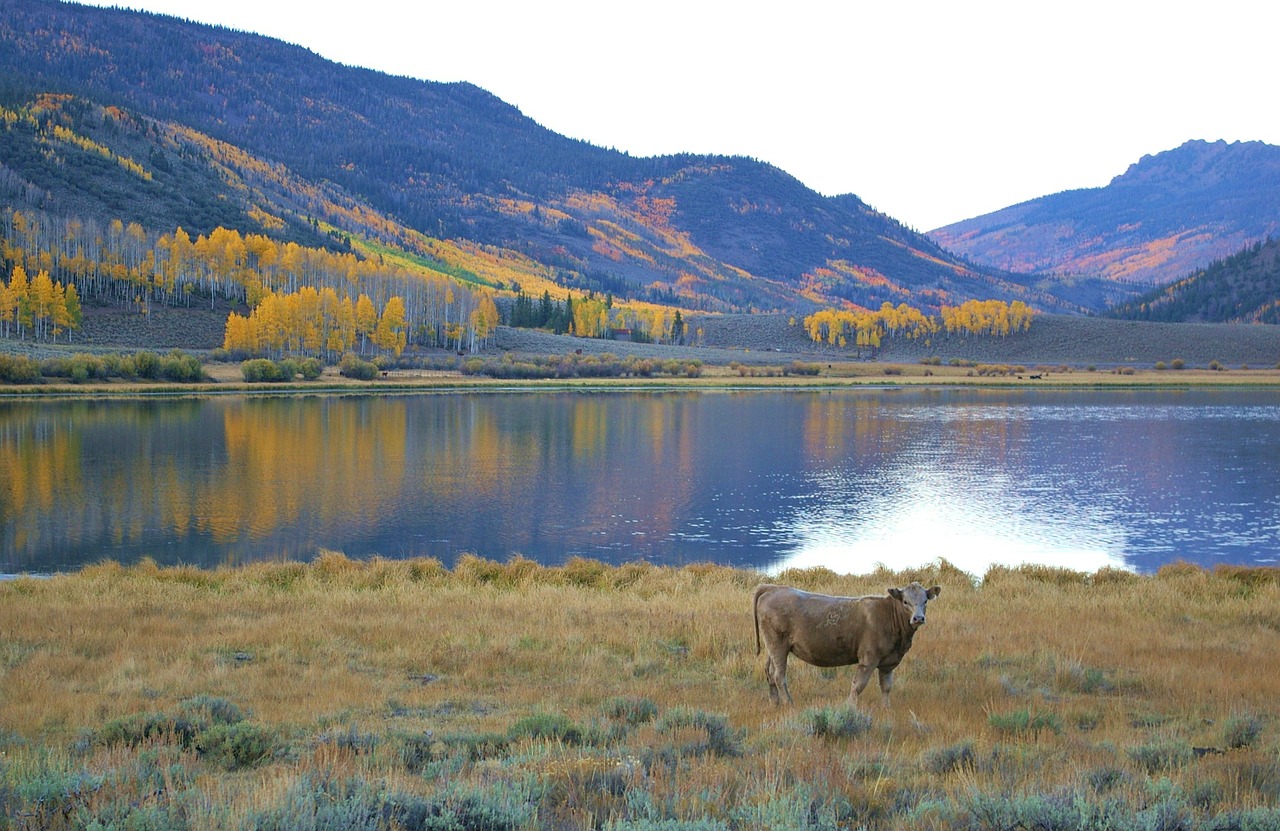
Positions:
(886, 684)
(860, 679)
(776, 669)
(768, 674)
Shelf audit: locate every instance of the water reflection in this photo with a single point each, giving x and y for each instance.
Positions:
(849, 479)
(931, 513)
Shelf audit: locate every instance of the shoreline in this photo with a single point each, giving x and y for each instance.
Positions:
(899, 377)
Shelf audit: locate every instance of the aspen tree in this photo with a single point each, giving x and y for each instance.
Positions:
(366, 320)
(391, 327)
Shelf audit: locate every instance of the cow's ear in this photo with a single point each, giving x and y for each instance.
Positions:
(934, 592)
(895, 593)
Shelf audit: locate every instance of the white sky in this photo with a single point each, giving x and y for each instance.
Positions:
(931, 111)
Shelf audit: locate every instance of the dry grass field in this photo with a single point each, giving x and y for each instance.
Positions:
(400, 695)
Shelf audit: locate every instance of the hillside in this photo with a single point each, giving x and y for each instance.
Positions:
(1166, 216)
(250, 133)
(1242, 288)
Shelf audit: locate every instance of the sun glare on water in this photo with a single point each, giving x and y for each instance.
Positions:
(972, 521)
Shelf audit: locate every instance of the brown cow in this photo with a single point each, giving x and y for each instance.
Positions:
(873, 632)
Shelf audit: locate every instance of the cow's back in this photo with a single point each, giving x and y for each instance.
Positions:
(820, 629)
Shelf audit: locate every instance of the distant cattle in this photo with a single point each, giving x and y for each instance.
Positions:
(873, 632)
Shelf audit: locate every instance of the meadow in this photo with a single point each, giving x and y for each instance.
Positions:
(386, 694)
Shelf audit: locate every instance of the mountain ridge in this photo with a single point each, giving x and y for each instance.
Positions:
(1165, 216)
(452, 161)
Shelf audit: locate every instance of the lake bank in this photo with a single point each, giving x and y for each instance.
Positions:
(227, 378)
(589, 696)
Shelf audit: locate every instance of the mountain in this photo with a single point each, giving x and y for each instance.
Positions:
(1242, 288)
(1166, 216)
(250, 133)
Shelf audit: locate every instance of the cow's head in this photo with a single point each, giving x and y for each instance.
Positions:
(914, 597)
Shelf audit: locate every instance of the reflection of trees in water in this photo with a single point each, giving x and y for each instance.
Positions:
(222, 472)
(218, 479)
(673, 476)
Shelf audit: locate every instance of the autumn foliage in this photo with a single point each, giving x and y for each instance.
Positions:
(39, 307)
(307, 301)
(862, 328)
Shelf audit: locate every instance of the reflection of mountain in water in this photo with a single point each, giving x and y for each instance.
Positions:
(846, 479)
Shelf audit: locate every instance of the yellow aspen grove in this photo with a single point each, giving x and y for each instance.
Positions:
(366, 320)
(344, 338)
(75, 315)
(8, 309)
(58, 318)
(21, 291)
(123, 264)
(391, 327)
(239, 335)
(973, 317)
(484, 319)
(41, 304)
(589, 318)
(310, 319)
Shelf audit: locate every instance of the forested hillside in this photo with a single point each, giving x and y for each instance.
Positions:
(1242, 288)
(119, 115)
(1166, 216)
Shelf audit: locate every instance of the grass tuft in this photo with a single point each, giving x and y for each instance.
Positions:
(840, 722)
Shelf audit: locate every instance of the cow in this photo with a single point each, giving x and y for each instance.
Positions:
(873, 632)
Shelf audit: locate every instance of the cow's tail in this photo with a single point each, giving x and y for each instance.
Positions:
(755, 611)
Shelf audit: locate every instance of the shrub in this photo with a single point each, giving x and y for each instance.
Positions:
(147, 728)
(1248, 819)
(630, 710)
(76, 368)
(1105, 779)
(473, 746)
(547, 726)
(147, 365)
(1178, 363)
(949, 758)
(1216, 366)
(1167, 815)
(327, 802)
(260, 370)
(210, 710)
(1241, 731)
(719, 739)
(238, 745)
(1024, 721)
(180, 367)
(355, 367)
(835, 722)
(310, 368)
(703, 824)
(1159, 756)
(17, 369)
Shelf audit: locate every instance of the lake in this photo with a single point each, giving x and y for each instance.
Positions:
(847, 479)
